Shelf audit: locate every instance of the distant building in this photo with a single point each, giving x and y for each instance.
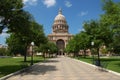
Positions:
(60, 34)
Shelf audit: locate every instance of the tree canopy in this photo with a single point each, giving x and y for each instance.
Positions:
(9, 10)
(104, 31)
(17, 43)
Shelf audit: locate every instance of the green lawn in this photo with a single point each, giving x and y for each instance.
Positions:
(111, 63)
(9, 65)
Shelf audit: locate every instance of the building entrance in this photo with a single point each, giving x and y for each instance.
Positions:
(61, 45)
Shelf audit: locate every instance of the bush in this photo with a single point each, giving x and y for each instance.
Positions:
(2, 51)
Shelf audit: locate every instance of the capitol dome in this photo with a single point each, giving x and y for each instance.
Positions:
(60, 33)
(60, 19)
(60, 16)
(60, 23)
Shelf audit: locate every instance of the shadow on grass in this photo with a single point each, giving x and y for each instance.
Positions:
(118, 64)
(5, 70)
(110, 59)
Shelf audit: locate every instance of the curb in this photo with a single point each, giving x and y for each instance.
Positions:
(113, 72)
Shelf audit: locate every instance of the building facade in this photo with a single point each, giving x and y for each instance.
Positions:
(60, 32)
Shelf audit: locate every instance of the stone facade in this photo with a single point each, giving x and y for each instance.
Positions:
(60, 34)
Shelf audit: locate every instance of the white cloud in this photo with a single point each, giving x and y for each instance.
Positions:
(30, 2)
(49, 3)
(81, 29)
(4, 35)
(68, 4)
(83, 13)
(24, 1)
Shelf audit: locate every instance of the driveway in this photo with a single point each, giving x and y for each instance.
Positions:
(64, 68)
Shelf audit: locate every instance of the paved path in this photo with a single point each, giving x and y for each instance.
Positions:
(64, 68)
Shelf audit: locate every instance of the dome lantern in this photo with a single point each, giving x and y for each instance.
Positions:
(60, 11)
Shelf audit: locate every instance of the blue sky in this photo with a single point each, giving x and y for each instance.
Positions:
(75, 11)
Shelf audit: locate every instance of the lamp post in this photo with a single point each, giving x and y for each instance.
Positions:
(98, 61)
(92, 43)
(32, 44)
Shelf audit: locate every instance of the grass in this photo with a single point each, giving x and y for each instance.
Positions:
(87, 59)
(10, 65)
(111, 63)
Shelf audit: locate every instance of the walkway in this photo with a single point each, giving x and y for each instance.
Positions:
(64, 68)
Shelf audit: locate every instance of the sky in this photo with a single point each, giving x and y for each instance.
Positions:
(76, 13)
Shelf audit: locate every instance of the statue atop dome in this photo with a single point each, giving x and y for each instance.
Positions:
(60, 11)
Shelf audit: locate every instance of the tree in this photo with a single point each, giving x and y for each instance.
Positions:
(15, 19)
(49, 48)
(3, 52)
(98, 35)
(84, 41)
(73, 46)
(19, 43)
(15, 45)
(111, 20)
(22, 20)
(92, 29)
(52, 47)
(9, 9)
(37, 34)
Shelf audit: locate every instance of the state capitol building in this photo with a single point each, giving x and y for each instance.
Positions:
(60, 32)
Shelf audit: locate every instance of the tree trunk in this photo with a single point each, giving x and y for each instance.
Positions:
(74, 54)
(25, 55)
(44, 55)
(49, 54)
(84, 53)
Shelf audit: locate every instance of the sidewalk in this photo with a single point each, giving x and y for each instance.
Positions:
(64, 68)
